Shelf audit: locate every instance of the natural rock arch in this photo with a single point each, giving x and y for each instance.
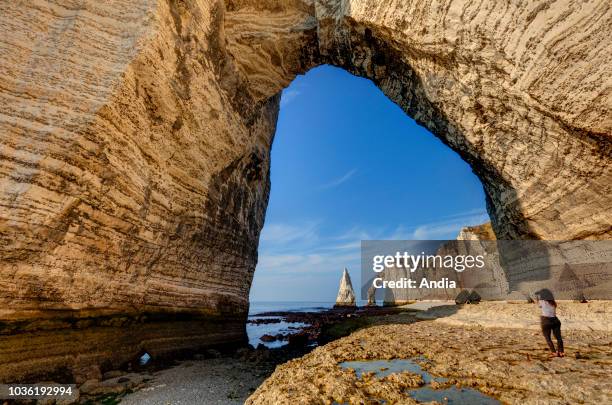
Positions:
(135, 155)
(471, 80)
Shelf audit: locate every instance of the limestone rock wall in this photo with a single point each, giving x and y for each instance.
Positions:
(491, 283)
(134, 177)
(520, 91)
(512, 270)
(135, 135)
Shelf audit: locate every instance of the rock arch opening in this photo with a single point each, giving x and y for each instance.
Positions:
(348, 164)
(478, 97)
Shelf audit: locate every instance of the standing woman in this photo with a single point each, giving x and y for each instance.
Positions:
(549, 321)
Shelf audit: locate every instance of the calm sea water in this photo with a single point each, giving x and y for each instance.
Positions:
(255, 332)
(258, 307)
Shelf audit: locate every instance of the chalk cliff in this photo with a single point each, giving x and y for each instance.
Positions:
(136, 135)
(508, 269)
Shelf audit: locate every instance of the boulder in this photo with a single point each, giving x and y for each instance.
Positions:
(474, 297)
(463, 297)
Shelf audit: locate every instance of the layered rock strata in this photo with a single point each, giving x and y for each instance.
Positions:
(136, 135)
(511, 269)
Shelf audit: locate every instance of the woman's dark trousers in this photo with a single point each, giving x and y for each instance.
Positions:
(552, 325)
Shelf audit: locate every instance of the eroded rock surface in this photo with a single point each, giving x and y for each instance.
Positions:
(509, 364)
(134, 158)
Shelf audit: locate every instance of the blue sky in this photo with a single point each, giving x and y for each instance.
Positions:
(347, 165)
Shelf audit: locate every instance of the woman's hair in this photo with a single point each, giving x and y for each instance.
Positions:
(546, 295)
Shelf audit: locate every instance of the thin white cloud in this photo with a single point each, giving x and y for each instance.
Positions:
(449, 228)
(336, 182)
(295, 248)
(287, 249)
(355, 243)
(278, 261)
(432, 232)
(475, 213)
(288, 96)
(283, 233)
(321, 262)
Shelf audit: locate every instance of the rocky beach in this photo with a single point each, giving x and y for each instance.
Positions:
(473, 351)
(232, 374)
(487, 353)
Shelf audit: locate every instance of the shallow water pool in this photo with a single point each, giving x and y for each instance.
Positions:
(451, 395)
(382, 368)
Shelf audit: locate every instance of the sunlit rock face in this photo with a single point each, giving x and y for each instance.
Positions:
(490, 282)
(134, 167)
(346, 295)
(504, 270)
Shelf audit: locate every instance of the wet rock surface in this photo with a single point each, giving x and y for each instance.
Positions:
(320, 327)
(431, 388)
(511, 365)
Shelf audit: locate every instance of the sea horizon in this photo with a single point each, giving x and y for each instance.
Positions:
(257, 307)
